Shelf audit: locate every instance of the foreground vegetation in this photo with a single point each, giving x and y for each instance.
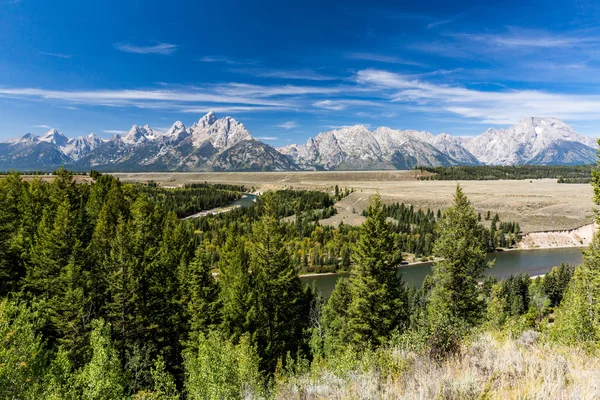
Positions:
(106, 296)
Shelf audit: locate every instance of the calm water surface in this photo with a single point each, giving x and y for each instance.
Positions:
(533, 262)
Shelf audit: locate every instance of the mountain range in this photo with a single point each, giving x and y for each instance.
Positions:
(224, 144)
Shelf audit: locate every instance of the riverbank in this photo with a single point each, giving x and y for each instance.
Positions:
(579, 237)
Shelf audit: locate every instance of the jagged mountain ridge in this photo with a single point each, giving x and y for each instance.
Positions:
(530, 141)
(224, 144)
(358, 148)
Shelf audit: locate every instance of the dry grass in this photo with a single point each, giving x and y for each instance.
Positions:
(538, 205)
(487, 369)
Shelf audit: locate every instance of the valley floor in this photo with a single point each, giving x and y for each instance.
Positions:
(538, 205)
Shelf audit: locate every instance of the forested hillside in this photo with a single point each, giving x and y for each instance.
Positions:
(106, 294)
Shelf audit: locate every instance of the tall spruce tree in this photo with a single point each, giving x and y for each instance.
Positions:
(11, 265)
(201, 297)
(578, 317)
(454, 304)
(234, 287)
(377, 301)
(280, 303)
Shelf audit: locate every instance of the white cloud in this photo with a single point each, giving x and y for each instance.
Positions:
(57, 55)
(342, 104)
(438, 23)
(302, 74)
(245, 89)
(226, 60)
(43, 126)
(529, 38)
(495, 107)
(159, 48)
(288, 125)
(114, 132)
(268, 138)
(228, 109)
(380, 58)
(143, 98)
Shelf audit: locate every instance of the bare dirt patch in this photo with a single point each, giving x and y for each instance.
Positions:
(538, 205)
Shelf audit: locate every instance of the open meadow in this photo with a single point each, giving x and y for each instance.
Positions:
(538, 205)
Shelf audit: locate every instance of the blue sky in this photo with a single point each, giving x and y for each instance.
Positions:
(289, 70)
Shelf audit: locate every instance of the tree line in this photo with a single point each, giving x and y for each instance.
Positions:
(564, 174)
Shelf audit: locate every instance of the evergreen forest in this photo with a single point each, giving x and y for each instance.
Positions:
(107, 294)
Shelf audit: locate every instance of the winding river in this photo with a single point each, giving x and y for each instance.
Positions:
(534, 262)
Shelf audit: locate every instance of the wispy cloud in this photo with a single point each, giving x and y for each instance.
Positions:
(288, 125)
(435, 24)
(519, 38)
(43, 126)
(230, 109)
(494, 107)
(342, 104)
(57, 55)
(384, 58)
(268, 138)
(301, 74)
(114, 131)
(159, 48)
(226, 60)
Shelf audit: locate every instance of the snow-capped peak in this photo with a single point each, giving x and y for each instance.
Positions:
(207, 120)
(55, 137)
(26, 138)
(221, 133)
(138, 135)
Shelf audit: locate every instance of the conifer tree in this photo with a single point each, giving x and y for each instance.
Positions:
(379, 301)
(51, 251)
(578, 317)
(367, 308)
(234, 287)
(72, 308)
(454, 304)
(279, 302)
(201, 296)
(11, 265)
(122, 299)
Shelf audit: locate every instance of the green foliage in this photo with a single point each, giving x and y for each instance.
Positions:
(22, 354)
(455, 304)
(102, 377)
(279, 301)
(217, 368)
(192, 198)
(556, 282)
(372, 303)
(574, 174)
(577, 320)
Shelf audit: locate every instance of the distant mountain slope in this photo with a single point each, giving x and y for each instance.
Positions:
(523, 143)
(224, 144)
(358, 148)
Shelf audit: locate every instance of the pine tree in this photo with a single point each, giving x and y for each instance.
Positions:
(51, 251)
(578, 317)
(234, 287)
(378, 298)
(122, 299)
(201, 296)
(11, 265)
(279, 302)
(373, 302)
(455, 304)
(72, 307)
